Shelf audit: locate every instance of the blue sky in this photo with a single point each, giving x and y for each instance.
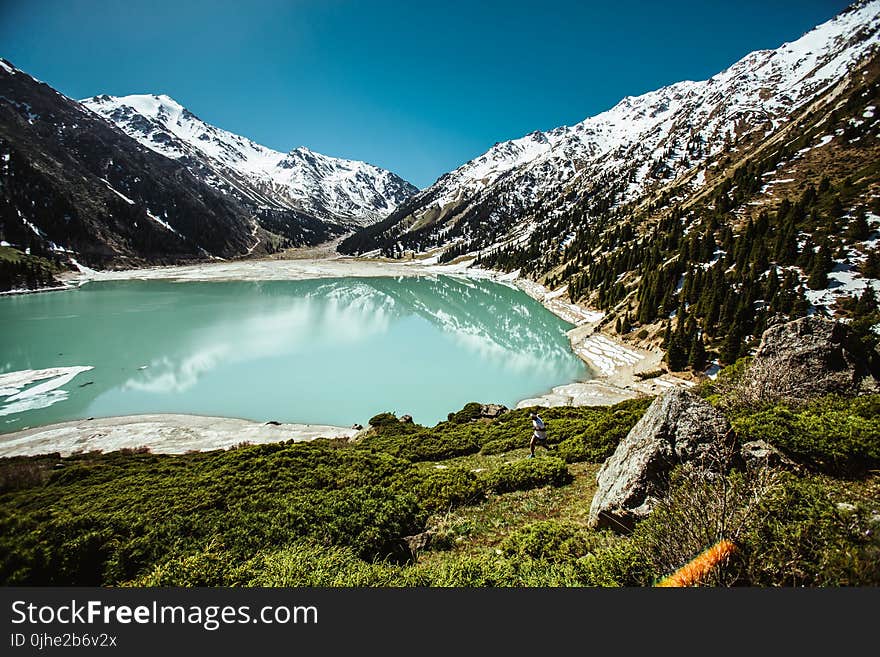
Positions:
(415, 87)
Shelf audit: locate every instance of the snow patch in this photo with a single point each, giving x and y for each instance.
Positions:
(117, 192)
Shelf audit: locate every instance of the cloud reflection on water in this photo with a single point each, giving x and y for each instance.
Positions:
(490, 321)
(305, 323)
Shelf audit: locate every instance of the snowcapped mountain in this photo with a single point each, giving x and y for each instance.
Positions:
(630, 151)
(76, 189)
(327, 188)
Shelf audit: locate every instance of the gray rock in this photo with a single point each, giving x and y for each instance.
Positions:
(418, 542)
(406, 419)
(493, 411)
(678, 427)
(761, 453)
(809, 357)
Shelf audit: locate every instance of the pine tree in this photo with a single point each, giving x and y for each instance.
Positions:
(867, 302)
(676, 355)
(733, 345)
(800, 305)
(771, 287)
(870, 267)
(822, 264)
(697, 357)
(667, 336)
(858, 228)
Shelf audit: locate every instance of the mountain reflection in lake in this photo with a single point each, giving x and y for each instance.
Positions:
(330, 351)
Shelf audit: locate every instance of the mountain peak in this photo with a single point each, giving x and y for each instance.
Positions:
(331, 189)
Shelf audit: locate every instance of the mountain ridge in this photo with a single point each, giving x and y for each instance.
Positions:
(628, 141)
(332, 189)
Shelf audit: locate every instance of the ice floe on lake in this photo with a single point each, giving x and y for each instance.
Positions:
(20, 395)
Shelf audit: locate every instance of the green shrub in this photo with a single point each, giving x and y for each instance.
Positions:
(501, 445)
(528, 473)
(788, 531)
(210, 567)
(441, 490)
(471, 411)
(593, 430)
(832, 434)
(106, 519)
(698, 511)
(806, 540)
(617, 564)
(597, 440)
(309, 564)
(383, 420)
(422, 444)
(612, 565)
(551, 540)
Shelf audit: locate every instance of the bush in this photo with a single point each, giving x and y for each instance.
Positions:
(833, 434)
(471, 411)
(528, 473)
(309, 564)
(106, 519)
(597, 440)
(551, 540)
(383, 420)
(501, 445)
(594, 430)
(210, 567)
(699, 510)
(422, 444)
(806, 540)
(618, 564)
(442, 490)
(23, 472)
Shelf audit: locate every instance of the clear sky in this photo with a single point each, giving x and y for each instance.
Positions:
(413, 86)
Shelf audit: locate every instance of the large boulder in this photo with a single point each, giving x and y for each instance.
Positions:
(809, 357)
(678, 427)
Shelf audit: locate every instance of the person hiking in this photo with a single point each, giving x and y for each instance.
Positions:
(539, 435)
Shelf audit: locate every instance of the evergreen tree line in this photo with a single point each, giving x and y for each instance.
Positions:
(25, 273)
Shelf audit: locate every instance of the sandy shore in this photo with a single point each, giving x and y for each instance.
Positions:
(162, 433)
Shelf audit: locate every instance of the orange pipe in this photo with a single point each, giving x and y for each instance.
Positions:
(693, 572)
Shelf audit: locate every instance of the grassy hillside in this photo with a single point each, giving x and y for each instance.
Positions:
(335, 513)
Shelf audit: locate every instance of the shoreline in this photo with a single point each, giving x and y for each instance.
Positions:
(613, 363)
(163, 433)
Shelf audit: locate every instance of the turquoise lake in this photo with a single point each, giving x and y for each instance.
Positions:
(326, 351)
